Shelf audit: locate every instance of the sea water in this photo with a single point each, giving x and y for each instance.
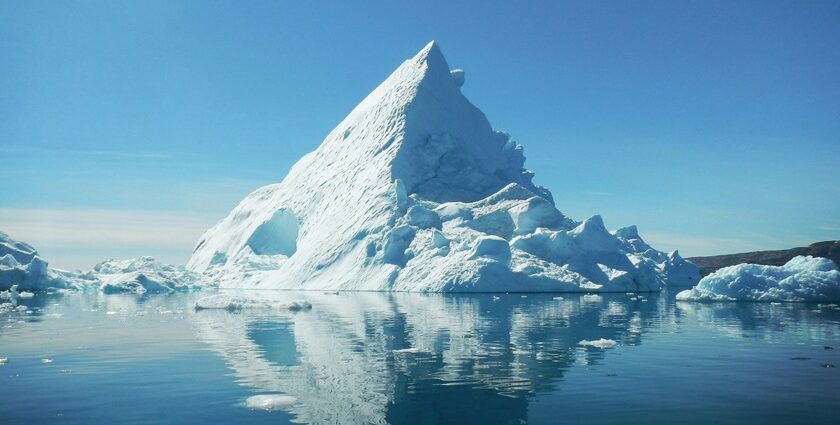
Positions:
(376, 358)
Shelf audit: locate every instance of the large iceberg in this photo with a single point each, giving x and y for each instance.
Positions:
(414, 191)
(803, 278)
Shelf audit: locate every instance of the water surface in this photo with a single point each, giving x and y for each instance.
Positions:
(374, 358)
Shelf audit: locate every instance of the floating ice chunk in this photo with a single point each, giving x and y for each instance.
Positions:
(599, 343)
(270, 402)
(25, 295)
(234, 303)
(46, 361)
(592, 298)
(408, 350)
(802, 279)
(4, 360)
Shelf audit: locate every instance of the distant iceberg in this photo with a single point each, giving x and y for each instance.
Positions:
(802, 279)
(414, 191)
(21, 267)
(142, 275)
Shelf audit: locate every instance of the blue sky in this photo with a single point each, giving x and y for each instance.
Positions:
(127, 128)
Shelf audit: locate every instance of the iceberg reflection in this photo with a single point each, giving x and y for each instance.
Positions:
(399, 357)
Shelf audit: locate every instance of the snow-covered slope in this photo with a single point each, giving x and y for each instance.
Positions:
(803, 278)
(414, 191)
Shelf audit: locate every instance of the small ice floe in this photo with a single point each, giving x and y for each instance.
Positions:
(25, 295)
(408, 350)
(558, 298)
(46, 360)
(235, 303)
(598, 343)
(270, 402)
(524, 296)
(110, 313)
(4, 360)
(592, 298)
(495, 298)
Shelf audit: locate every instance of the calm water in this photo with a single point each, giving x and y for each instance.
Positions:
(373, 358)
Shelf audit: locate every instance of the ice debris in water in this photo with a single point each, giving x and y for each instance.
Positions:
(46, 361)
(802, 279)
(408, 350)
(599, 343)
(238, 302)
(4, 360)
(270, 402)
(415, 191)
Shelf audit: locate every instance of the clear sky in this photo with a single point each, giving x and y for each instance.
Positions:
(128, 128)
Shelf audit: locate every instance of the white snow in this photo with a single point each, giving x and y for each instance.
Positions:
(240, 302)
(598, 343)
(270, 402)
(802, 279)
(414, 191)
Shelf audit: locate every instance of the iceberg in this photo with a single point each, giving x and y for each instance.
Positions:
(22, 269)
(142, 275)
(414, 191)
(802, 279)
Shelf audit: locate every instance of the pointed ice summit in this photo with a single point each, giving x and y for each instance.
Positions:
(414, 191)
